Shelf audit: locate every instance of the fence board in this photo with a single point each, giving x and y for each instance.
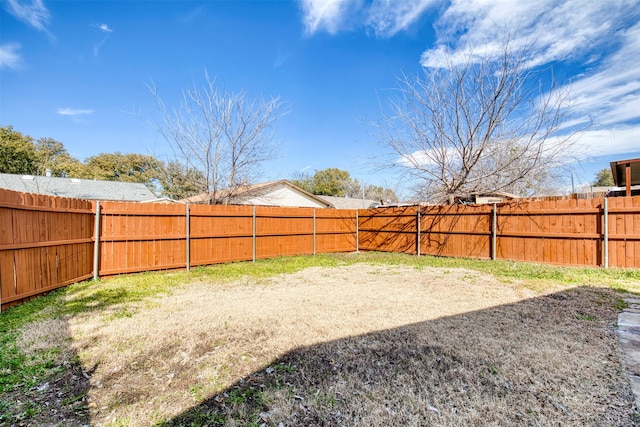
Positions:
(335, 231)
(47, 242)
(388, 230)
(141, 237)
(43, 241)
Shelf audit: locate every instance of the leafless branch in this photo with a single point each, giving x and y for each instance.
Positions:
(225, 135)
(487, 124)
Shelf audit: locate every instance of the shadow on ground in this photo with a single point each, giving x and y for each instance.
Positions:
(551, 360)
(54, 386)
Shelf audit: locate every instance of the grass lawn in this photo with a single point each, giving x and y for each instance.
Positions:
(365, 339)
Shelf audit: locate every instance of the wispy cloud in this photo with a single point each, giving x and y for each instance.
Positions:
(9, 56)
(388, 17)
(193, 15)
(281, 58)
(33, 12)
(384, 17)
(103, 27)
(74, 112)
(327, 15)
(610, 97)
(97, 46)
(602, 38)
(557, 30)
(612, 92)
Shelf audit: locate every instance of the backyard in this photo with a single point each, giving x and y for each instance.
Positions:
(365, 339)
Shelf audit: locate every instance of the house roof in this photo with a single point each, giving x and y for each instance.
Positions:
(619, 171)
(248, 191)
(77, 188)
(348, 202)
(476, 196)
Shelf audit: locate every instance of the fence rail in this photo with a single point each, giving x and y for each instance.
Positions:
(139, 237)
(564, 232)
(49, 242)
(45, 243)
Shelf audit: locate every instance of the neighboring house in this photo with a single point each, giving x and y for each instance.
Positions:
(77, 188)
(275, 193)
(485, 198)
(349, 202)
(626, 176)
(592, 192)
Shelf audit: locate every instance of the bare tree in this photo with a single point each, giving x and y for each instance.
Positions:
(486, 123)
(225, 135)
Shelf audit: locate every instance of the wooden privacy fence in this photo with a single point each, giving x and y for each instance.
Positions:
(137, 237)
(591, 232)
(45, 243)
(49, 242)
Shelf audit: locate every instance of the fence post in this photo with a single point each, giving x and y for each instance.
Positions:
(96, 243)
(188, 214)
(418, 233)
(314, 231)
(605, 229)
(357, 233)
(494, 232)
(253, 239)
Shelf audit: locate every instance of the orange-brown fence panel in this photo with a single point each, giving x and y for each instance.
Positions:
(48, 242)
(388, 229)
(566, 232)
(284, 231)
(45, 243)
(141, 237)
(335, 230)
(624, 232)
(220, 234)
(555, 231)
(456, 231)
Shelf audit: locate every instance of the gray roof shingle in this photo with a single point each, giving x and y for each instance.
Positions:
(348, 202)
(77, 188)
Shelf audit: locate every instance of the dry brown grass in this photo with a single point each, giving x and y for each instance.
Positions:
(357, 345)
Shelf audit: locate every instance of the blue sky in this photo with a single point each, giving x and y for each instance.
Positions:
(76, 71)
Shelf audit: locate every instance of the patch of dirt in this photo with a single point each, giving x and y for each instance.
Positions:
(59, 401)
(358, 345)
(530, 363)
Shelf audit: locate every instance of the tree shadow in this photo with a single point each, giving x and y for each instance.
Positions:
(549, 360)
(451, 230)
(50, 385)
(392, 229)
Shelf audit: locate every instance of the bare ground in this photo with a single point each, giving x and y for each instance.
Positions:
(358, 345)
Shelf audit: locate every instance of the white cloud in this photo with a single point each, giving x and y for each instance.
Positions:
(326, 15)
(388, 17)
(611, 94)
(558, 30)
(9, 56)
(73, 112)
(384, 17)
(105, 28)
(33, 13)
(610, 98)
(607, 141)
(428, 158)
(601, 37)
(97, 46)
